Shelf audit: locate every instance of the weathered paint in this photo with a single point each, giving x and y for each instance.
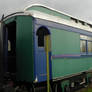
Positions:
(24, 48)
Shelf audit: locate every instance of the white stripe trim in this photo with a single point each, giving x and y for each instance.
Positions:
(41, 15)
(44, 6)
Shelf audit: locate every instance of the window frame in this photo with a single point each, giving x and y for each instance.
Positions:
(45, 32)
(89, 53)
(86, 52)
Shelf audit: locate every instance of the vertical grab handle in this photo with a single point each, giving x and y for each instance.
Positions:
(47, 61)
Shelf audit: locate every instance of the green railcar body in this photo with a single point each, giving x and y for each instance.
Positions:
(63, 42)
(24, 47)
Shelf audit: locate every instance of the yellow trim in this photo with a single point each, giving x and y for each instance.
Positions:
(47, 59)
(47, 43)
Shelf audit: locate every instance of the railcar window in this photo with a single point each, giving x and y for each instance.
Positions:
(89, 47)
(41, 41)
(83, 46)
(86, 44)
(41, 33)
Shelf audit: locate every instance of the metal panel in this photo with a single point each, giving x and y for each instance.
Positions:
(67, 67)
(24, 47)
(66, 40)
(48, 10)
(40, 60)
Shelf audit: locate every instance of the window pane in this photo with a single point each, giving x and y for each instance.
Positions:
(41, 41)
(89, 46)
(83, 46)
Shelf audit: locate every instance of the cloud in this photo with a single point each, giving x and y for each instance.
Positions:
(77, 8)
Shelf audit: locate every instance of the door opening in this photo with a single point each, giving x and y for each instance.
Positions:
(42, 35)
(10, 49)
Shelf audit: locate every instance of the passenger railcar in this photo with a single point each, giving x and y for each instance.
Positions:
(26, 36)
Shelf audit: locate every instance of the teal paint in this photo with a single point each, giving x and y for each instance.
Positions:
(64, 42)
(48, 11)
(70, 66)
(24, 48)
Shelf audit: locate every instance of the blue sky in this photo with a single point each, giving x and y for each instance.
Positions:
(81, 9)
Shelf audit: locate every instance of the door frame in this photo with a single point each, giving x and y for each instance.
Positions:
(36, 48)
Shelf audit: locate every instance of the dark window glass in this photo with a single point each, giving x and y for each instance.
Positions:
(41, 33)
(40, 41)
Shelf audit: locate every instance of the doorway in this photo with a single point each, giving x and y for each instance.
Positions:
(9, 42)
(42, 35)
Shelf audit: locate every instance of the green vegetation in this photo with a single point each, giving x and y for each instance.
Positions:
(90, 90)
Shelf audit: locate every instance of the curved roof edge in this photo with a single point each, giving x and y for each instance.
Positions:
(44, 6)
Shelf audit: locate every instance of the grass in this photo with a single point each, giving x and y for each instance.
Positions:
(85, 90)
(89, 90)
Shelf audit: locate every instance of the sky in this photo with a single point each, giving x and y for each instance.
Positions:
(81, 9)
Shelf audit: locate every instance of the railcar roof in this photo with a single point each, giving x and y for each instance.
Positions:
(47, 13)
